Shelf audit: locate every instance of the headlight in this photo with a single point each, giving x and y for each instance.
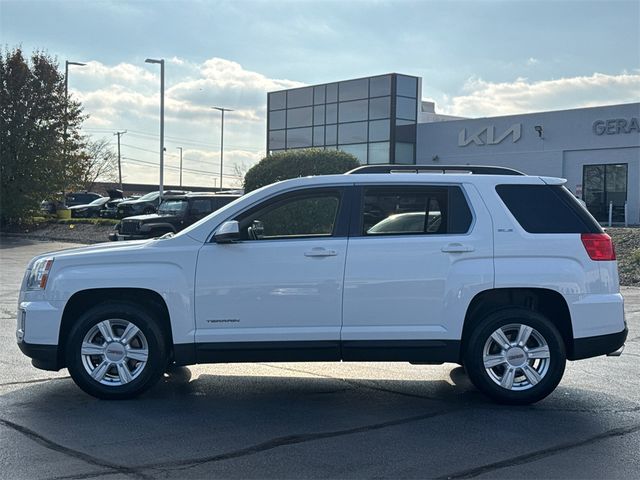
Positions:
(39, 274)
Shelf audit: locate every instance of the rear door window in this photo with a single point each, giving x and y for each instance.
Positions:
(547, 209)
(415, 210)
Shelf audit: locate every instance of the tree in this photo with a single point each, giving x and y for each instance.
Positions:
(34, 156)
(297, 163)
(95, 161)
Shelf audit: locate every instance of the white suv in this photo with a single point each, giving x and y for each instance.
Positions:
(504, 273)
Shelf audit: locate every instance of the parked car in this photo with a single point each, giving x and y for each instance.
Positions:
(144, 205)
(110, 209)
(174, 214)
(90, 210)
(95, 208)
(50, 207)
(80, 198)
(289, 272)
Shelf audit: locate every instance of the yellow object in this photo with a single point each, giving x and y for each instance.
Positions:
(64, 214)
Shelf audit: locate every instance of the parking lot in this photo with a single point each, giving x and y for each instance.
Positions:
(313, 420)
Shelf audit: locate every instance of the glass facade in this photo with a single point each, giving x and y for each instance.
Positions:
(361, 116)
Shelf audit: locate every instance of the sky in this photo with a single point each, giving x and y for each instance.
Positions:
(476, 59)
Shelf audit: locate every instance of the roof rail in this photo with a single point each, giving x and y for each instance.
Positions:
(473, 169)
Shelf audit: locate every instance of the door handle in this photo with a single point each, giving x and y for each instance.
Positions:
(320, 252)
(457, 248)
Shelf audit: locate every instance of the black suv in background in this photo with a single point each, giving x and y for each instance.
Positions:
(144, 205)
(175, 213)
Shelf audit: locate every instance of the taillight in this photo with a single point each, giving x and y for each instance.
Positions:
(598, 246)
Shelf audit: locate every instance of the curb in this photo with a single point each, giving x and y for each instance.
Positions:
(49, 239)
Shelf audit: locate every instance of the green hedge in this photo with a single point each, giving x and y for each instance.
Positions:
(298, 163)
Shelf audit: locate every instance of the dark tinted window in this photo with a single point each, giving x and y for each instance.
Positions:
(547, 209)
(415, 210)
(200, 206)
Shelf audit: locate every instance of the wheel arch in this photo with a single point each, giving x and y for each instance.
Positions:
(549, 303)
(84, 299)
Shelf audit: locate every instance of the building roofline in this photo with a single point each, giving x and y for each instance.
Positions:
(345, 80)
(544, 112)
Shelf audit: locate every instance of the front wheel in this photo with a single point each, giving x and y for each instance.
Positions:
(515, 356)
(116, 351)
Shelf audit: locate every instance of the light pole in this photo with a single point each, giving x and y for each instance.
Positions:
(222, 110)
(66, 103)
(180, 148)
(161, 63)
(119, 161)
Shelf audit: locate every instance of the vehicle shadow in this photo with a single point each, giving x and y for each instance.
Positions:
(211, 418)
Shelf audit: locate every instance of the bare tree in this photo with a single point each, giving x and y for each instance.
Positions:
(97, 161)
(240, 169)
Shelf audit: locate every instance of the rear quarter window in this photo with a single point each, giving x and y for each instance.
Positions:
(547, 209)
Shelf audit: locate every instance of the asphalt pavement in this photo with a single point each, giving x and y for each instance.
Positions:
(312, 420)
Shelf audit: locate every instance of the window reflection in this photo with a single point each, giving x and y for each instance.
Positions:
(380, 108)
(276, 139)
(299, 137)
(406, 108)
(378, 130)
(406, 86)
(359, 151)
(352, 132)
(300, 97)
(277, 100)
(353, 111)
(354, 89)
(277, 119)
(380, 86)
(379, 152)
(299, 117)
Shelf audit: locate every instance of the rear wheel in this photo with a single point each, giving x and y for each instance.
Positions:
(515, 356)
(116, 351)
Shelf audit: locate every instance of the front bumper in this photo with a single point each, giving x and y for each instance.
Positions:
(44, 357)
(600, 345)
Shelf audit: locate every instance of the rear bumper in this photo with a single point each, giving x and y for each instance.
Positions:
(44, 357)
(600, 345)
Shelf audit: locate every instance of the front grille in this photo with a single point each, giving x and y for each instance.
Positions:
(128, 227)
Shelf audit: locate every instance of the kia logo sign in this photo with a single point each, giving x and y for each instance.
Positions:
(487, 135)
(615, 126)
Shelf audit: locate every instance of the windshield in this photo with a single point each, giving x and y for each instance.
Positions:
(173, 207)
(99, 201)
(148, 197)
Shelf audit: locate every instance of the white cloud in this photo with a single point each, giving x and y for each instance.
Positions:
(125, 96)
(531, 61)
(483, 98)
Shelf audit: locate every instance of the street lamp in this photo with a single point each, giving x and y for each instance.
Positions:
(180, 148)
(222, 110)
(161, 63)
(66, 101)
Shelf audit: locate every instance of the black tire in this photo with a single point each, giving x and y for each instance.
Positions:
(524, 391)
(145, 375)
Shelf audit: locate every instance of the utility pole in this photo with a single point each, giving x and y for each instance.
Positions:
(119, 160)
(222, 110)
(161, 63)
(180, 148)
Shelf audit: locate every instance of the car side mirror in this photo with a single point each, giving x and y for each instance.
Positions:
(228, 232)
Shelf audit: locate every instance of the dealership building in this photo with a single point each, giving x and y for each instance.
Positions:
(382, 119)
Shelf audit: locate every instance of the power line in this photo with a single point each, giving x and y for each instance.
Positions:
(140, 133)
(172, 155)
(171, 167)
